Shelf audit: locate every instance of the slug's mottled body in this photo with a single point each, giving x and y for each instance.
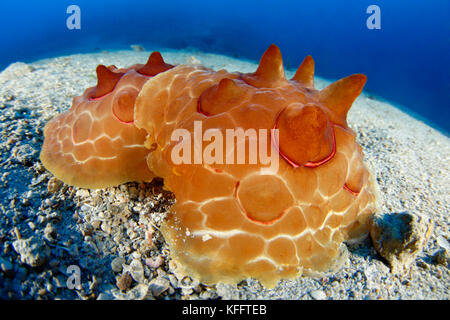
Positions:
(95, 144)
(232, 221)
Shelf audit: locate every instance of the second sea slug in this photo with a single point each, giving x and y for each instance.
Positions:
(230, 221)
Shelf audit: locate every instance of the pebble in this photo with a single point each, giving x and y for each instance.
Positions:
(32, 251)
(134, 193)
(399, 237)
(208, 294)
(442, 242)
(42, 292)
(117, 264)
(24, 154)
(136, 270)
(50, 232)
(87, 229)
(54, 216)
(173, 281)
(441, 257)
(139, 292)
(155, 262)
(96, 223)
(136, 255)
(373, 276)
(422, 264)
(149, 238)
(32, 225)
(54, 185)
(158, 286)
(49, 203)
(124, 281)
(104, 296)
(106, 227)
(318, 295)
(187, 291)
(83, 193)
(59, 281)
(93, 284)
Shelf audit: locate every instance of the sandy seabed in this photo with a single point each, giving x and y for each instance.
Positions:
(113, 236)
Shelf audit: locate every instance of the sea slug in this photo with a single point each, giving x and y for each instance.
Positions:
(232, 220)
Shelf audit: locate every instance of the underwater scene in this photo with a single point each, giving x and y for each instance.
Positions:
(225, 150)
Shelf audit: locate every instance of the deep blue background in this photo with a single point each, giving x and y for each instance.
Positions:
(407, 61)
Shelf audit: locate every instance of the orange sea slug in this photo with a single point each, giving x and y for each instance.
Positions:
(231, 221)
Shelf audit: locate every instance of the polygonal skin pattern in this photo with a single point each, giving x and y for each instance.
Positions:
(230, 221)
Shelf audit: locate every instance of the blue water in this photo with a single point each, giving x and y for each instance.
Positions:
(407, 61)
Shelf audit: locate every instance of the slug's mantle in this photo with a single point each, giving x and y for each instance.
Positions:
(230, 221)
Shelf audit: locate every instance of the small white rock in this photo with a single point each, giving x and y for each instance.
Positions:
(137, 271)
(155, 262)
(117, 263)
(318, 295)
(158, 286)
